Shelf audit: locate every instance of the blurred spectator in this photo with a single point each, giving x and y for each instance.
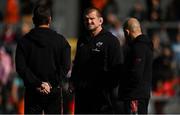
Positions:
(5, 71)
(166, 97)
(8, 39)
(25, 28)
(8, 35)
(172, 12)
(164, 38)
(26, 7)
(173, 106)
(26, 11)
(100, 4)
(138, 11)
(167, 88)
(12, 12)
(110, 10)
(153, 10)
(162, 67)
(5, 66)
(115, 27)
(17, 94)
(156, 44)
(176, 51)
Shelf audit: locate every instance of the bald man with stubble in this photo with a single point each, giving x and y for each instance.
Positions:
(137, 70)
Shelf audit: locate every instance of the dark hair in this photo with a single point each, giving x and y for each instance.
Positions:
(91, 9)
(125, 24)
(41, 14)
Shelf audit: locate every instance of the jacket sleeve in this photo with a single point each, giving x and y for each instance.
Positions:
(115, 60)
(138, 63)
(30, 80)
(74, 68)
(65, 59)
(115, 54)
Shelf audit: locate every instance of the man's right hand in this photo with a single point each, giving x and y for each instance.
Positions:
(45, 88)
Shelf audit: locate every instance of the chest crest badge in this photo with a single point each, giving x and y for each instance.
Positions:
(99, 44)
(82, 44)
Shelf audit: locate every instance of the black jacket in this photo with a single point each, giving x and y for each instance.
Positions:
(42, 55)
(137, 69)
(96, 61)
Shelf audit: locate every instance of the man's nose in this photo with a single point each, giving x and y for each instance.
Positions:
(89, 21)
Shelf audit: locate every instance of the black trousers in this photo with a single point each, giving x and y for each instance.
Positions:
(91, 101)
(36, 103)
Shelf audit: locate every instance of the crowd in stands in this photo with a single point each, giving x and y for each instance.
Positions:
(162, 27)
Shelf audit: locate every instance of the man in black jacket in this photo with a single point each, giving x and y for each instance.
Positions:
(96, 62)
(42, 61)
(136, 82)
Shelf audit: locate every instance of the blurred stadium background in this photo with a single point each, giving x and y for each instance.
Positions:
(160, 21)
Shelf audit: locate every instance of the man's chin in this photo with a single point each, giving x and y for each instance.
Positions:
(90, 29)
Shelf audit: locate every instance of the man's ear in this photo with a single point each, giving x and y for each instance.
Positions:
(101, 20)
(127, 31)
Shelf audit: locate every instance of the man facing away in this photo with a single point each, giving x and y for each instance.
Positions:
(96, 63)
(136, 81)
(42, 61)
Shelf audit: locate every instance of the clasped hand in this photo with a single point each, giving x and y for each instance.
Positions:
(45, 88)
